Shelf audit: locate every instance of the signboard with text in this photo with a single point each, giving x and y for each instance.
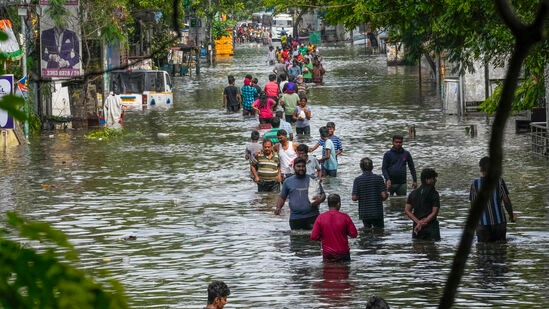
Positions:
(61, 46)
(6, 87)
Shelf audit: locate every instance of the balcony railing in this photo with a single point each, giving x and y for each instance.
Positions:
(540, 138)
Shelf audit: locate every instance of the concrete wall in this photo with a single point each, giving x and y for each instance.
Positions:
(8, 139)
(475, 83)
(471, 86)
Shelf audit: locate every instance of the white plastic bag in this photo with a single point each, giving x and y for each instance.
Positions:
(314, 190)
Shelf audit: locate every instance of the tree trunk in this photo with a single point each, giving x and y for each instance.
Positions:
(297, 21)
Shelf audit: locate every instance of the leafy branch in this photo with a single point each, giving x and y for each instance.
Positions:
(33, 279)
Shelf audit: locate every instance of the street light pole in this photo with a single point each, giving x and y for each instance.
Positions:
(22, 11)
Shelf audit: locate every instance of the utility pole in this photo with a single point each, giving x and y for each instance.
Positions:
(209, 23)
(22, 11)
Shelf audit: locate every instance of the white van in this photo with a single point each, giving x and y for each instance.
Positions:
(279, 22)
(142, 89)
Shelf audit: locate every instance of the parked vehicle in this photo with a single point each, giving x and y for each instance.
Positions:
(263, 18)
(280, 23)
(142, 89)
(361, 39)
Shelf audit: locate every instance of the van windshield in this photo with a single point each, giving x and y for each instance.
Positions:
(282, 22)
(136, 82)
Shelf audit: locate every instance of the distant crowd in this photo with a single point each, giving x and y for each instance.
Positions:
(293, 58)
(251, 32)
(294, 67)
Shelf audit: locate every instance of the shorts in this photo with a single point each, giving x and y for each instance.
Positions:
(303, 224)
(305, 130)
(289, 118)
(492, 233)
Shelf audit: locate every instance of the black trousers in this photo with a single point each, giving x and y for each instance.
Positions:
(492, 233)
(303, 224)
(268, 186)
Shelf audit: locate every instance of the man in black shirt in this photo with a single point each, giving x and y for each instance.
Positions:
(370, 191)
(232, 96)
(422, 207)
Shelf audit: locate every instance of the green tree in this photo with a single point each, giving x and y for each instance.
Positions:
(219, 28)
(467, 30)
(212, 10)
(462, 30)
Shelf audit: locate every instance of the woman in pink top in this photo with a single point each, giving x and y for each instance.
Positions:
(264, 106)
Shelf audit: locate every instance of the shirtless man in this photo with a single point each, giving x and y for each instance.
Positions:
(287, 152)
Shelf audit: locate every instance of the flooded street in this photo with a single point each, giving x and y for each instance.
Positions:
(190, 202)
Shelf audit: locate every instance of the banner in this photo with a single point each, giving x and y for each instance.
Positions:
(61, 46)
(6, 87)
(9, 48)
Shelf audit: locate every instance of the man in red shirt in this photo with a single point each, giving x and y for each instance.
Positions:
(271, 88)
(285, 54)
(332, 228)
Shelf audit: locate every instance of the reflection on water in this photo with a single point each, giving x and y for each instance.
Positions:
(334, 287)
(491, 261)
(188, 199)
(302, 245)
(427, 248)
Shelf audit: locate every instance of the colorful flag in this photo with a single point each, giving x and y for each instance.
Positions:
(23, 86)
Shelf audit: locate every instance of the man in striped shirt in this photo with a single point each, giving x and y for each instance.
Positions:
(493, 224)
(370, 191)
(265, 169)
(337, 142)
